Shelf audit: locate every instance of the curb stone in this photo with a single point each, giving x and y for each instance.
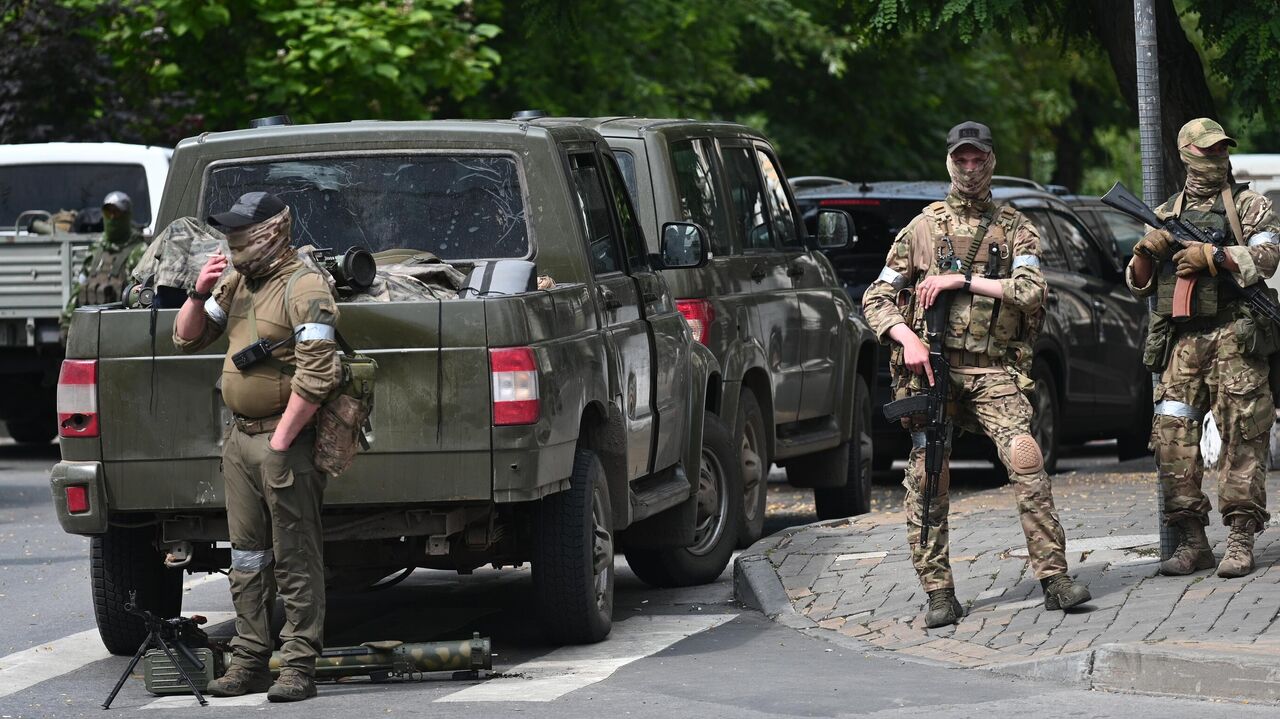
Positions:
(757, 586)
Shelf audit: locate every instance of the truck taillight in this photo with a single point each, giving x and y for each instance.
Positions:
(699, 314)
(515, 386)
(78, 399)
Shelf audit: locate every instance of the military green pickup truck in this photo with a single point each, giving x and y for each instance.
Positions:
(550, 426)
(797, 360)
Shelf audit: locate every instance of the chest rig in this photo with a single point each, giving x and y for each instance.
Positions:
(1211, 295)
(106, 275)
(977, 324)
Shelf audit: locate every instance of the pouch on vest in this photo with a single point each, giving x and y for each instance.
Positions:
(1159, 344)
(1257, 334)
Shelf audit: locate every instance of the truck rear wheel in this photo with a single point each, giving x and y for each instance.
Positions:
(719, 490)
(124, 560)
(753, 458)
(855, 496)
(573, 572)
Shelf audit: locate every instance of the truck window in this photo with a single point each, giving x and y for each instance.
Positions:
(69, 186)
(696, 189)
(454, 206)
(748, 198)
(784, 219)
(588, 186)
(1084, 258)
(627, 163)
(632, 235)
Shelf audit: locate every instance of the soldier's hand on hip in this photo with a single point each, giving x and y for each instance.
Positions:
(1193, 259)
(211, 273)
(930, 287)
(1156, 244)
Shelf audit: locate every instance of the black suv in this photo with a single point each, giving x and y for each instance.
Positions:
(1090, 383)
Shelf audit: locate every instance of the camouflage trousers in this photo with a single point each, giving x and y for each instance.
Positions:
(1208, 370)
(990, 403)
(276, 546)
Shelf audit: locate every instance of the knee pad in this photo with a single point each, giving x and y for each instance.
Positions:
(1024, 455)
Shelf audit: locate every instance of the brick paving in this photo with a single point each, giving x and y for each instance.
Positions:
(855, 577)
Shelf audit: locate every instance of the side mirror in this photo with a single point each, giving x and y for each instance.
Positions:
(835, 230)
(684, 246)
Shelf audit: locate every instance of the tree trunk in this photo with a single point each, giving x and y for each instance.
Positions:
(1183, 88)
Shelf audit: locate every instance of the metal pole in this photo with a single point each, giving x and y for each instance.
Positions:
(1148, 65)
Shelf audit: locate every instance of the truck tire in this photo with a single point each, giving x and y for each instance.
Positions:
(1045, 415)
(855, 496)
(753, 458)
(124, 560)
(573, 572)
(719, 496)
(33, 431)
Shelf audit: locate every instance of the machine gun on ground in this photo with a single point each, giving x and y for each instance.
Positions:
(930, 406)
(1256, 294)
(179, 633)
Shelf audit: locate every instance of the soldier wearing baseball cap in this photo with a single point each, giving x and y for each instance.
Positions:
(280, 320)
(987, 258)
(1212, 351)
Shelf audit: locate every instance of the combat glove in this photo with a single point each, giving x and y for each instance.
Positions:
(1195, 258)
(1156, 244)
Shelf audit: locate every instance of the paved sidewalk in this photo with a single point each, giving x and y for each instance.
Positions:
(1197, 635)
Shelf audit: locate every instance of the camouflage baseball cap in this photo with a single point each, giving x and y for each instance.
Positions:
(1203, 132)
(969, 133)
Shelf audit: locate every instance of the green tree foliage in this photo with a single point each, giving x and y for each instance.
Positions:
(317, 60)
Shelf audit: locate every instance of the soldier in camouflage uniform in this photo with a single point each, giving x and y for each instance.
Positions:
(1211, 350)
(987, 343)
(105, 271)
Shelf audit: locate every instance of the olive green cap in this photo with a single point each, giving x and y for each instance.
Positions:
(1203, 132)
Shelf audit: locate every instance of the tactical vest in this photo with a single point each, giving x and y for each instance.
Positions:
(107, 274)
(262, 390)
(1211, 294)
(978, 324)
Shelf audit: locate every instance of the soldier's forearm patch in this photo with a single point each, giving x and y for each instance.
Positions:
(1024, 455)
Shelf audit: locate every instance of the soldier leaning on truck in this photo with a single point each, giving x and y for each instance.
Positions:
(987, 346)
(105, 271)
(1215, 357)
(273, 491)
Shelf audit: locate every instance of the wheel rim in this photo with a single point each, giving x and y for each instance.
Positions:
(713, 504)
(866, 445)
(601, 550)
(752, 472)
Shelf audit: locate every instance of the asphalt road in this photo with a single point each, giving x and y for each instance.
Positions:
(673, 653)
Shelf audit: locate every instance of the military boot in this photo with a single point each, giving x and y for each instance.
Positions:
(1193, 552)
(239, 681)
(944, 609)
(1060, 592)
(1238, 560)
(292, 686)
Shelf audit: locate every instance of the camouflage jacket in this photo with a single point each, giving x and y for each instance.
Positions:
(913, 256)
(1257, 258)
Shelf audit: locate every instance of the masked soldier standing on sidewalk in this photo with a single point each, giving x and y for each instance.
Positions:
(106, 268)
(1212, 353)
(270, 301)
(987, 343)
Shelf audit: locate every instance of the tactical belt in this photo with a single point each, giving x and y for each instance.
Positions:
(961, 358)
(263, 425)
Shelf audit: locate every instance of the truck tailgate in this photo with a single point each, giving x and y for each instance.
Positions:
(163, 421)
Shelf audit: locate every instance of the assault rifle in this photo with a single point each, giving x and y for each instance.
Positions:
(1256, 294)
(930, 405)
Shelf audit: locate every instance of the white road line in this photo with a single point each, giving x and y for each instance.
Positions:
(183, 701)
(564, 670)
(29, 667)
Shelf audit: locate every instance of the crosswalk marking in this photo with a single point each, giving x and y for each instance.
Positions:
(53, 659)
(564, 670)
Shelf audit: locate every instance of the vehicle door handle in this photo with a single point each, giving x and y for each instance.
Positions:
(758, 273)
(610, 300)
(1100, 306)
(650, 296)
(795, 269)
